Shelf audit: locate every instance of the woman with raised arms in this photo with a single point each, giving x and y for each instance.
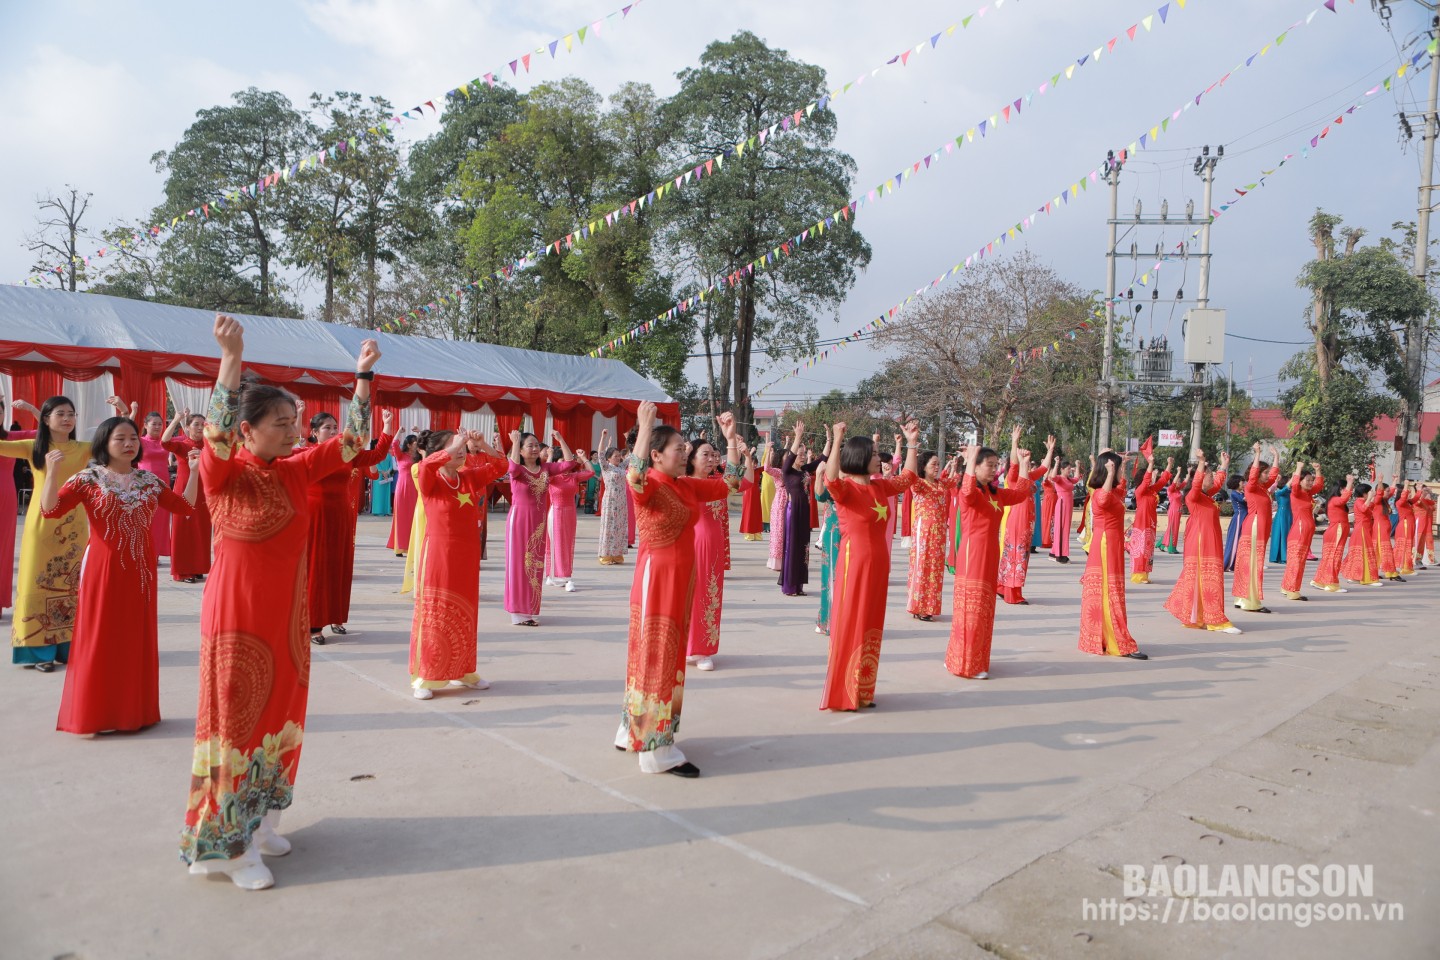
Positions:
(864, 501)
(668, 505)
(254, 651)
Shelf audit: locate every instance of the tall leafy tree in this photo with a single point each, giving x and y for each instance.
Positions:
(762, 199)
(230, 258)
(342, 216)
(435, 210)
(567, 162)
(1361, 295)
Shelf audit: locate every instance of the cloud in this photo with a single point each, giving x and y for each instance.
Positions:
(68, 107)
(94, 124)
(72, 112)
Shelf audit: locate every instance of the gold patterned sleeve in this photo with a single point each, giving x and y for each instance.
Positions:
(357, 425)
(222, 438)
(636, 476)
(222, 421)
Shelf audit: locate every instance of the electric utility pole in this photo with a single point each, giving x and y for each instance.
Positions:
(1407, 437)
(1111, 169)
(1205, 169)
(1407, 433)
(1152, 367)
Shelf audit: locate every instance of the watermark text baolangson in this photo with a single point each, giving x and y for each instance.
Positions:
(1297, 894)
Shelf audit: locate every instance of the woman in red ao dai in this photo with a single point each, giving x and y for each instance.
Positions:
(863, 501)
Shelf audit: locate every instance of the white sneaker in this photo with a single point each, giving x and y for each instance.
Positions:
(705, 663)
(691, 661)
(982, 675)
(549, 581)
(480, 684)
(570, 586)
(267, 840)
(1342, 590)
(1231, 630)
(423, 693)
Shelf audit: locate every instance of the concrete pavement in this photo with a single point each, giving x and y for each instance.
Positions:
(959, 819)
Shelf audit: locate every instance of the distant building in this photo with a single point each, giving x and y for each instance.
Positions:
(766, 420)
(1281, 426)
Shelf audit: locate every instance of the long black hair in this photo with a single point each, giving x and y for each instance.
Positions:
(100, 443)
(520, 447)
(433, 441)
(260, 400)
(855, 456)
(695, 446)
(1097, 476)
(43, 439)
(317, 420)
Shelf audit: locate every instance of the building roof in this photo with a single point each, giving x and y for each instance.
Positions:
(53, 320)
(1385, 427)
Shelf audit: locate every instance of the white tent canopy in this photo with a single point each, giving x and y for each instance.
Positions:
(62, 319)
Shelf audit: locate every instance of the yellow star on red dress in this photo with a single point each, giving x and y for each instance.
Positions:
(995, 503)
(464, 498)
(882, 512)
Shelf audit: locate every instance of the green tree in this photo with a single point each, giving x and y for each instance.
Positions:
(1355, 373)
(761, 200)
(341, 217)
(567, 162)
(229, 258)
(435, 211)
(863, 414)
(1225, 419)
(1335, 422)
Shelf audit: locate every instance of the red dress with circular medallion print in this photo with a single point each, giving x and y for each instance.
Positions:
(254, 638)
(862, 583)
(667, 509)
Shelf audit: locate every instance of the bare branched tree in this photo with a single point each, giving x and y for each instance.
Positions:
(57, 242)
(966, 353)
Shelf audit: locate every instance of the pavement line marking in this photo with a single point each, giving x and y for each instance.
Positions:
(750, 853)
(743, 747)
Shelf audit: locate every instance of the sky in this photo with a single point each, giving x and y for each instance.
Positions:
(92, 90)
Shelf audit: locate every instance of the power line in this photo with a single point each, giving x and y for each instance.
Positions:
(780, 353)
(1293, 343)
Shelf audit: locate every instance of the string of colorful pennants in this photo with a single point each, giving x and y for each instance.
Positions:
(668, 187)
(1062, 199)
(1008, 112)
(281, 175)
(1019, 355)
